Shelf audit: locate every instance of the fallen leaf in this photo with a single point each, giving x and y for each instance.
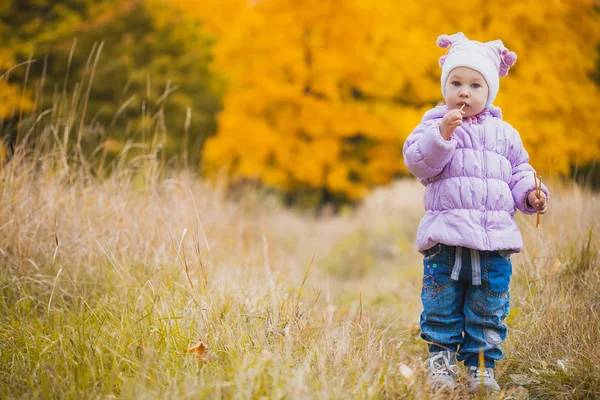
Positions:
(518, 392)
(523, 379)
(407, 373)
(199, 350)
(562, 364)
(557, 265)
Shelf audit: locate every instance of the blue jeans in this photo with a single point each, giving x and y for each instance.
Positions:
(460, 316)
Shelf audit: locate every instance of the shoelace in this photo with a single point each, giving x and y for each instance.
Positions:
(443, 367)
(480, 373)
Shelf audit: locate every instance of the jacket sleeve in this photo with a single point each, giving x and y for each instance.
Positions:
(426, 152)
(522, 180)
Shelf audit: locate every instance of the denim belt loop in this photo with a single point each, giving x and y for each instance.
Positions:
(475, 265)
(457, 263)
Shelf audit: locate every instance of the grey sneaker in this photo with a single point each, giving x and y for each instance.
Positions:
(481, 380)
(441, 370)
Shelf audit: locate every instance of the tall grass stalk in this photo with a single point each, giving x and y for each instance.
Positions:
(109, 275)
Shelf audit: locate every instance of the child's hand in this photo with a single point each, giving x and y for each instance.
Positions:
(451, 121)
(538, 204)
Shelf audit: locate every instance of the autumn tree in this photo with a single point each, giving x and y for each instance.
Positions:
(296, 115)
(321, 95)
(129, 70)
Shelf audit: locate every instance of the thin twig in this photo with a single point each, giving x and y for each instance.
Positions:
(538, 184)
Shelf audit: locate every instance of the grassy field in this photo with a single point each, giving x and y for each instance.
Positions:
(105, 283)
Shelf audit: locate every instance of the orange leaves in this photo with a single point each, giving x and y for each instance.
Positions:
(296, 87)
(321, 94)
(199, 350)
(556, 268)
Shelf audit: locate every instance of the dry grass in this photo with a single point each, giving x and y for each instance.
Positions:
(106, 282)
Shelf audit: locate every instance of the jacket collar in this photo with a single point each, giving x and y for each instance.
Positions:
(440, 111)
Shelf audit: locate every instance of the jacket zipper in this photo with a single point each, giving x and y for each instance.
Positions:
(485, 185)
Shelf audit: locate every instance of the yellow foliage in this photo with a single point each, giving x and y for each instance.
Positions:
(293, 83)
(12, 100)
(334, 88)
(322, 93)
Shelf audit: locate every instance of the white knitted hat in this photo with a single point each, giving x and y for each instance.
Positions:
(491, 59)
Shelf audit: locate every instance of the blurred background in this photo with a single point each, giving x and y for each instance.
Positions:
(310, 98)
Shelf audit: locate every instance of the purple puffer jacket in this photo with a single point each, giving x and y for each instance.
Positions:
(475, 182)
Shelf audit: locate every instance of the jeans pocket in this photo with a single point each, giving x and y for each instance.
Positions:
(436, 271)
(496, 274)
(433, 251)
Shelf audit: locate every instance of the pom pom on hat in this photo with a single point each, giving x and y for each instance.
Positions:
(442, 61)
(508, 60)
(509, 57)
(444, 41)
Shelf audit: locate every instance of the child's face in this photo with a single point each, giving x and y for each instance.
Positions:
(466, 86)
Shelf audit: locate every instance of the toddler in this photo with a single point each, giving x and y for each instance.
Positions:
(477, 175)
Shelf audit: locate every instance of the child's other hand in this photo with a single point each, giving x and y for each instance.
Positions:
(538, 204)
(451, 121)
